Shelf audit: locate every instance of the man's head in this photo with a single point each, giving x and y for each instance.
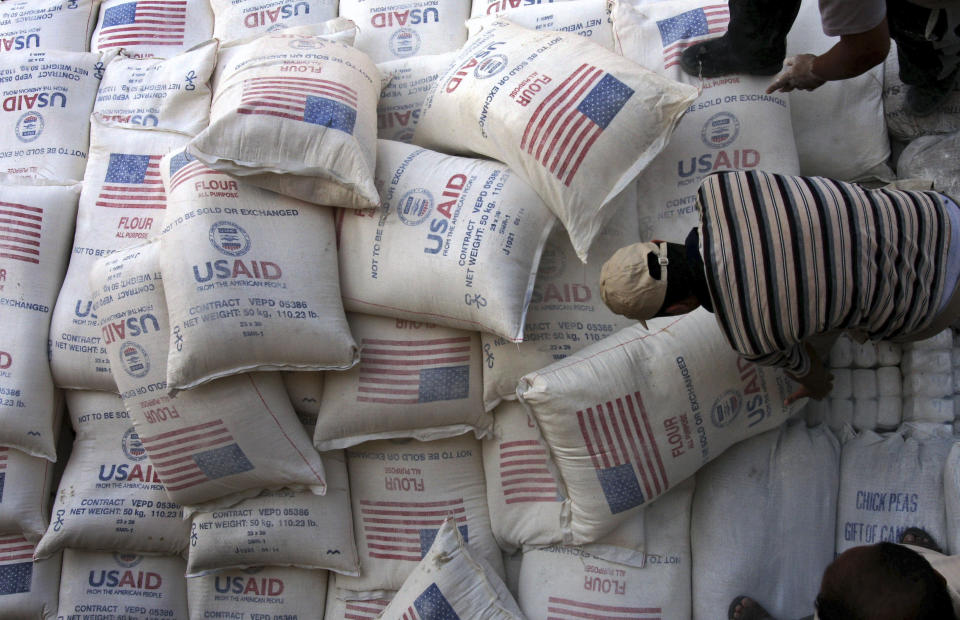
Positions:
(648, 279)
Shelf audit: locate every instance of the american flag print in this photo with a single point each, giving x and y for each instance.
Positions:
(623, 451)
(184, 167)
(571, 118)
(311, 100)
(524, 476)
(569, 609)
(406, 530)
(407, 372)
(364, 610)
(144, 22)
(16, 565)
(195, 454)
(4, 454)
(679, 32)
(132, 182)
(430, 605)
(20, 228)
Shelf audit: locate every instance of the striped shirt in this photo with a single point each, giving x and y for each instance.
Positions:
(787, 258)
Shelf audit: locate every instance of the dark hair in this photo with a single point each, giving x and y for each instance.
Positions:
(679, 275)
(884, 581)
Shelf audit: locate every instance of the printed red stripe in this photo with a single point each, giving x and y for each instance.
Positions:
(543, 104)
(586, 149)
(633, 444)
(554, 131)
(436, 341)
(591, 450)
(180, 431)
(26, 233)
(653, 443)
(377, 361)
(412, 352)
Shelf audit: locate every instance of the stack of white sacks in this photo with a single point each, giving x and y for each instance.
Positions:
(329, 335)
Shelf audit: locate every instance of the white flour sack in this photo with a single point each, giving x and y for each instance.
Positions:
(28, 589)
(578, 122)
(587, 18)
(471, 229)
(25, 483)
(134, 587)
(732, 125)
(47, 24)
(951, 492)
(147, 28)
(46, 98)
(892, 482)
(410, 81)
(414, 380)
(238, 19)
(252, 279)
(628, 418)
(280, 528)
(170, 94)
(305, 390)
(493, 7)
(402, 491)
(450, 583)
(762, 514)
(121, 205)
(36, 222)
(339, 609)
(901, 123)
(566, 312)
(296, 114)
(404, 28)
(259, 593)
(230, 436)
(110, 497)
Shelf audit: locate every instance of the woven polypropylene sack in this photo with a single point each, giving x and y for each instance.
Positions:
(232, 436)
(45, 112)
(777, 549)
(410, 81)
(586, 18)
(280, 528)
(305, 390)
(296, 114)
(933, 158)
(578, 122)
(339, 609)
(140, 587)
(951, 494)
(28, 589)
(566, 312)
(732, 125)
(170, 94)
(900, 122)
(30, 25)
(262, 592)
(407, 27)
(152, 28)
(414, 380)
(493, 7)
(402, 490)
(251, 279)
(238, 19)
(37, 223)
(451, 583)
(623, 427)
(25, 496)
(471, 231)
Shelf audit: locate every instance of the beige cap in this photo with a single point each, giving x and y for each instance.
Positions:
(626, 285)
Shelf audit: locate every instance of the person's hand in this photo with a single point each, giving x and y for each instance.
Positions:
(797, 73)
(816, 384)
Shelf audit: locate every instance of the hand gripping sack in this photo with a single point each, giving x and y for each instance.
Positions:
(110, 497)
(629, 417)
(170, 94)
(25, 483)
(45, 112)
(295, 528)
(576, 121)
(212, 446)
(414, 380)
(494, 7)
(470, 231)
(48, 24)
(296, 114)
(152, 28)
(408, 82)
(262, 592)
(251, 279)
(121, 205)
(451, 583)
(762, 513)
(239, 19)
(36, 223)
(406, 28)
(402, 491)
(587, 18)
(28, 588)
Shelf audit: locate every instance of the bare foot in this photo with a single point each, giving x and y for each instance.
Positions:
(745, 608)
(919, 538)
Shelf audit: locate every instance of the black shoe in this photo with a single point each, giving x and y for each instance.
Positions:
(716, 57)
(925, 100)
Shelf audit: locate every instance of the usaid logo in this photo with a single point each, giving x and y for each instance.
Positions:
(229, 239)
(415, 206)
(134, 360)
(489, 67)
(553, 262)
(29, 127)
(726, 408)
(132, 446)
(720, 130)
(127, 560)
(404, 42)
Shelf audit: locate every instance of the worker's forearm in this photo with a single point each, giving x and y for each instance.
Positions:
(854, 54)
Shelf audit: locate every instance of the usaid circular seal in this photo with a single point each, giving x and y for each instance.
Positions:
(29, 127)
(229, 238)
(134, 359)
(720, 130)
(415, 206)
(132, 446)
(127, 560)
(491, 66)
(404, 42)
(726, 408)
(553, 262)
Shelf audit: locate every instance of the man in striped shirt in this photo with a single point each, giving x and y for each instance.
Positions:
(783, 260)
